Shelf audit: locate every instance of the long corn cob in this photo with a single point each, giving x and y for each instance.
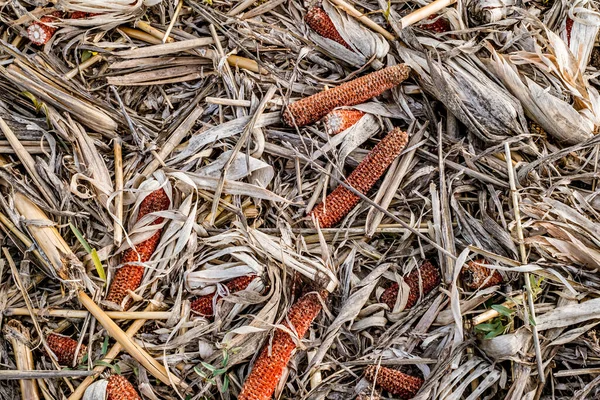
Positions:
(119, 388)
(359, 90)
(269, 366)
(339, 120)
(320, 22)
(476, 276)
(39, 32)
(426, 275)
(64, 347)
(395, 382)
(341, 201)
(129, 277)
(204, 305)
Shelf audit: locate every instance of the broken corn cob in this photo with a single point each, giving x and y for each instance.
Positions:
(129, 277)
(476, 276)
(440, 25)
(395, 382)
(319, 21)
(426, 275)
(359, 90)
(341, 201)
(269, 366)
(119, 388)
(39, 32)
(64, 347)
(204, 305)
(339, 120)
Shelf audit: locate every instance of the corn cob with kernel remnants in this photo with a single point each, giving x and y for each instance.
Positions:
(269, 366)
(320, 22)
(476, 276)
(339, 120)
(395, 382)
(357, 91)
(129, 277)
(426, 276)
(64, 347)
(204, 305)
(341, 201)
(119, 388)
(440, 25)
(39, 32)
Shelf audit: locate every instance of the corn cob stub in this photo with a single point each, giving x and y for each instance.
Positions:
(119, 388)
(269, 366)
(426, 275)
(39, 32)
(64, 347)
(339, 120)
(204, 305)
(129, 276)
(319, 21)
(476, 276)
(440, 25)
(357, 91)
(393, 381)
(341, 201)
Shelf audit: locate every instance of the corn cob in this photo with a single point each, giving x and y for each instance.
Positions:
(441, 25)
(269, 366)
(64, 347)
(569, 28)
(39, 32)
(129, 277)
(315, 107)
(426, 275)
(320, 22)
(204, 305)
(339, 120)
(119, 388)
(595, 59)
(341, 201)
(395, 382)
(476, 276)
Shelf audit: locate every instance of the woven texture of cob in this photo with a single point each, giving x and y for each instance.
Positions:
(64, 347)
(339, 120)
(129, 277)
(119, 388)
(426, 275)
(357, 91)
(271, 362)
(476, 276)
(204, 305)
(395, 382)
(341, 201)
(319, 21)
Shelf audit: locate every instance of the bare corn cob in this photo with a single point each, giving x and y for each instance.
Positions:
(426, 276)
(64, 347)
(339, 120)
(129, 277)
(476, 276)
(440, 25)
(204, 305)
(119, 388)
(320, 22)
(395, 382)
(39, 32)
(341, 201)
(357, 91)
(269, 366)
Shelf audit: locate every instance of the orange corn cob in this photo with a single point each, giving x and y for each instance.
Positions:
(119, 388)
(39, 32)
(426, 275)
(129, 277)
(395, 382)
(204, 305)
(64, 347)
(476, 276)
(339, 120)
(359, 90)
(269, 366)
(320, 22)
(341, 201)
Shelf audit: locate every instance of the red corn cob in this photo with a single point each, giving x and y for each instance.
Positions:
(426, 275)
(64, 347)
(339, 120)
(441, 25)
(320, 22)
(476, 276)
(395, 382)
(39, 32)
(204, 305)
(269, 366)
(569, 27)
(341, 201)
(359, 90)
(119, 388)
(129, 277)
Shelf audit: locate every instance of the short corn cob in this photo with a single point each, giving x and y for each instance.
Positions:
(269, 366)
(204, 305)
(39, 32)
(357, 91)
(119, 388)
(441, 25)
(476, 276)
(129, 277)
(339, 120)
(64, 347)
(426, 275)
(320, 22)
(341, 201)
(395, 382)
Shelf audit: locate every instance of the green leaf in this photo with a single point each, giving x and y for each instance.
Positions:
(532, 321)
(80, 237)
(98, 264)
(225, 384)
(218, 372)
(225, 358)
(496, 332)
(208, 367)
(104, 346)
(486, 327)
(103, 363)
(199, 372)
(87, 54)
(507, 312)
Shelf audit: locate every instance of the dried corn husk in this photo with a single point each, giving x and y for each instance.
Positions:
(488, 11)
(582, 34)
